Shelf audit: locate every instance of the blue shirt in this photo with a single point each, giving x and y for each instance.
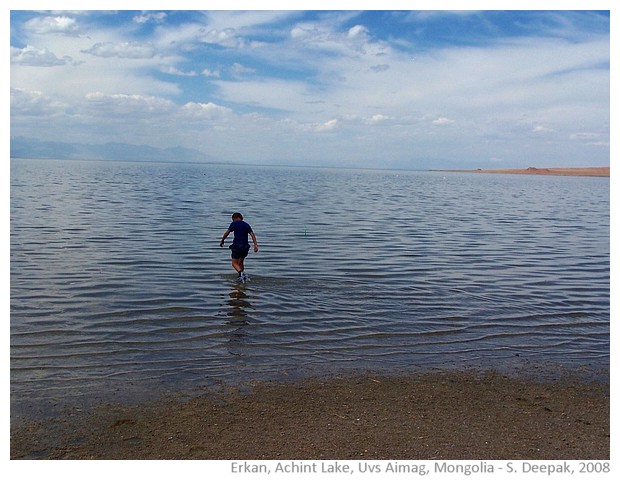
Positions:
(241, 230)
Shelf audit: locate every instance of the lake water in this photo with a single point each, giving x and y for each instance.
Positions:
(119, 286)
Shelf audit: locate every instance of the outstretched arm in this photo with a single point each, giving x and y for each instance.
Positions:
(254, 241)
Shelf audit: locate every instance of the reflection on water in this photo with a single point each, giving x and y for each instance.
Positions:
(238, 317)
(118, 281)
(239, 302)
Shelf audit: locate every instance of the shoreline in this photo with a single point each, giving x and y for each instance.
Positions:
(572, 172)
(448, 415)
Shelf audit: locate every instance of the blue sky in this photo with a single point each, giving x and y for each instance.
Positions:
(402, 89)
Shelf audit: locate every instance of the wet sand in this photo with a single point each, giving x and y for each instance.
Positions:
(439, 415)
(576, 172)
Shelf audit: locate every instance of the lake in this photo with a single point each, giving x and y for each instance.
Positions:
(119, 287)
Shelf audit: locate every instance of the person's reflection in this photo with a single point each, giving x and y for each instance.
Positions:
(238, 318)
(239, 303)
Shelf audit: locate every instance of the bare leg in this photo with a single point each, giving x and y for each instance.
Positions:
(237, 264)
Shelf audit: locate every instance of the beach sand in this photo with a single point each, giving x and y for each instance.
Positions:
(439, 415)
(576, 172)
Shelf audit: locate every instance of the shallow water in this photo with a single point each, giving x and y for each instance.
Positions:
(118, 283)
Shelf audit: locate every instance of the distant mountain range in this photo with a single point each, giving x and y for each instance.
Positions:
(24, 147)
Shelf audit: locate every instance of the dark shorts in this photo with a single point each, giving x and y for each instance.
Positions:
(239, 251)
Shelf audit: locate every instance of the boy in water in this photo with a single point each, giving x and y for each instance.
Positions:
(240, 246)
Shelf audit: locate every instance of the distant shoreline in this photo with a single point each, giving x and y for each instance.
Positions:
(575, 172)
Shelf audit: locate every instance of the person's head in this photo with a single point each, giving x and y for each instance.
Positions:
(237, 216)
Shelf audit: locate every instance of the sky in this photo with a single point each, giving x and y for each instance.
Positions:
(413, 89)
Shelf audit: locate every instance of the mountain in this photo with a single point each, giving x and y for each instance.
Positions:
(24, 147)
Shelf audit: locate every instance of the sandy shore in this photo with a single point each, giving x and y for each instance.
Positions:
(456, 415)
(577, 172)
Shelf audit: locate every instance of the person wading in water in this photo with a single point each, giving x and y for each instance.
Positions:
(240, 246)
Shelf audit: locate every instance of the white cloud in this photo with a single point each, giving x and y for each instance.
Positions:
(304, 31)
(328, 37)
(327, 126)
(50, 25)
(239, 69)
(246, 20)
(204, 111)
(134, 104)
(210, 73)
(358, 31)
(378, 118)
(358, 37)
(541, 129)
(35, 57)
(171, 70)
(138, 119)
(442, 121)
(225, 38)
(34, 103)
(326, 72)
(122, 50)
(157, 17)
(113, 64)
(146, 107)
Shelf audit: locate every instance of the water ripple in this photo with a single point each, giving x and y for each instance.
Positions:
(117, 278)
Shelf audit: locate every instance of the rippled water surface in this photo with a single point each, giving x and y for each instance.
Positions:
(118, 283)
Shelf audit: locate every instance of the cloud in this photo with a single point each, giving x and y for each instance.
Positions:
(541, 129)
(122, 117)
(210, 73)
(146, 17)
(35, 57)
(225, 38)
(358, 32)
(239, 69)
(171, 70)
(378, 118)
(120, 108)
(357, 37)
(304, 32)
(329, 37)
(135, 50)
(442, 121)
(122, 104)
(52, 25)
(283, 77)
(34, 103)
(327, 126)
(202, 111)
